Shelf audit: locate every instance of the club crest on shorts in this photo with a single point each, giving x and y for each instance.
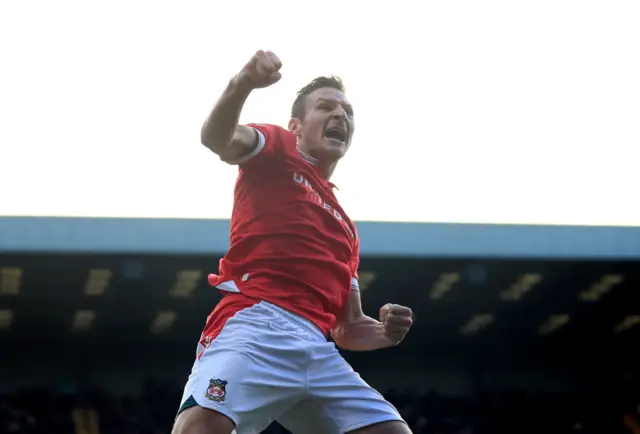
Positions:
(217, 390)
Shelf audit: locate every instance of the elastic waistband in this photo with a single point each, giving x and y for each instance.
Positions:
(296, 319)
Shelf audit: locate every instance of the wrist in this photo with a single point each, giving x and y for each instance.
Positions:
(239, 86)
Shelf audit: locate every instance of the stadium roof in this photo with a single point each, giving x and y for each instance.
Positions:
(421, 240)
(471, 286)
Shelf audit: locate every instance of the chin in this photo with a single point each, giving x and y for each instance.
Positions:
(331, 154)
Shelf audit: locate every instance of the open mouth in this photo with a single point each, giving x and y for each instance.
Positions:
(336, 133)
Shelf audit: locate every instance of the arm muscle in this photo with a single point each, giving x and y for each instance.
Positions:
(221, 132)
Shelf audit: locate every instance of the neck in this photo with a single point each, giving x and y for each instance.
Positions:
(327, 170)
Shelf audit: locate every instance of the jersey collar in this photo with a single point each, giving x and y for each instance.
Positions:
(309, 159)
(316, 164)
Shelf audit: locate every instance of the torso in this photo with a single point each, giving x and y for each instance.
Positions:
(292, 244)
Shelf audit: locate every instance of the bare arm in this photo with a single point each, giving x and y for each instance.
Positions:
(221, 131)
(356, 331)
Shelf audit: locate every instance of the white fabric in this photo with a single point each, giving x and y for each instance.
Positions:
(256, 151)
(278, 365)
(229, 286)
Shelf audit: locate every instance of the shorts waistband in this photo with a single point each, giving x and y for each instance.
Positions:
(296, 319)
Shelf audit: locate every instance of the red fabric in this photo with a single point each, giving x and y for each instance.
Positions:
(291, 243)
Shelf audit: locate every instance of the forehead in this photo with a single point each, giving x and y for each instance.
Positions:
(329, 94)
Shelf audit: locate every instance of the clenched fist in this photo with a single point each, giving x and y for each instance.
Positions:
(397, 321)
(261, 71)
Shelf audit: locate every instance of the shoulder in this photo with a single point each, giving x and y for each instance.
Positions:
(272, 134)
(274, 141)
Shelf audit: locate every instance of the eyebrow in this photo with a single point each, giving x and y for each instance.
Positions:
(333, 100)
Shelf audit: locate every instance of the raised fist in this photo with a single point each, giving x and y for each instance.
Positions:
(262, 70)
(397, 321)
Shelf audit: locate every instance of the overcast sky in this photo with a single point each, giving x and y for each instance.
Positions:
(466, 111)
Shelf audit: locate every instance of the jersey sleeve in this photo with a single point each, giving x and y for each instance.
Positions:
(270, 146)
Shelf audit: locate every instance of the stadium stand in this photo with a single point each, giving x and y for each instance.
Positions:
(41, 411)
(523, 329)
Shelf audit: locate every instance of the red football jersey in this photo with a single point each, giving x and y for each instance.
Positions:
(291, 243)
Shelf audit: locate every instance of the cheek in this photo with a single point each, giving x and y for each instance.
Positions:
(314, 127)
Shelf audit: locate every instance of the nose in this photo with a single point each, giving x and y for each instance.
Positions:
(339, 113)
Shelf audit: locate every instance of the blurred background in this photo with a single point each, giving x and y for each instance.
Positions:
(518, 328)
(493, 177)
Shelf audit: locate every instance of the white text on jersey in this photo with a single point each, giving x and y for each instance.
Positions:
(302, 180)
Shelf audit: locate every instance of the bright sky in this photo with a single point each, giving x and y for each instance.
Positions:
(466, 111)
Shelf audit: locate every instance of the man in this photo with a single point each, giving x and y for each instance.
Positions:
(289, 278)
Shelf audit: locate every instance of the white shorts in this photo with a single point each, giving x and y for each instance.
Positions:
(269, 364)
